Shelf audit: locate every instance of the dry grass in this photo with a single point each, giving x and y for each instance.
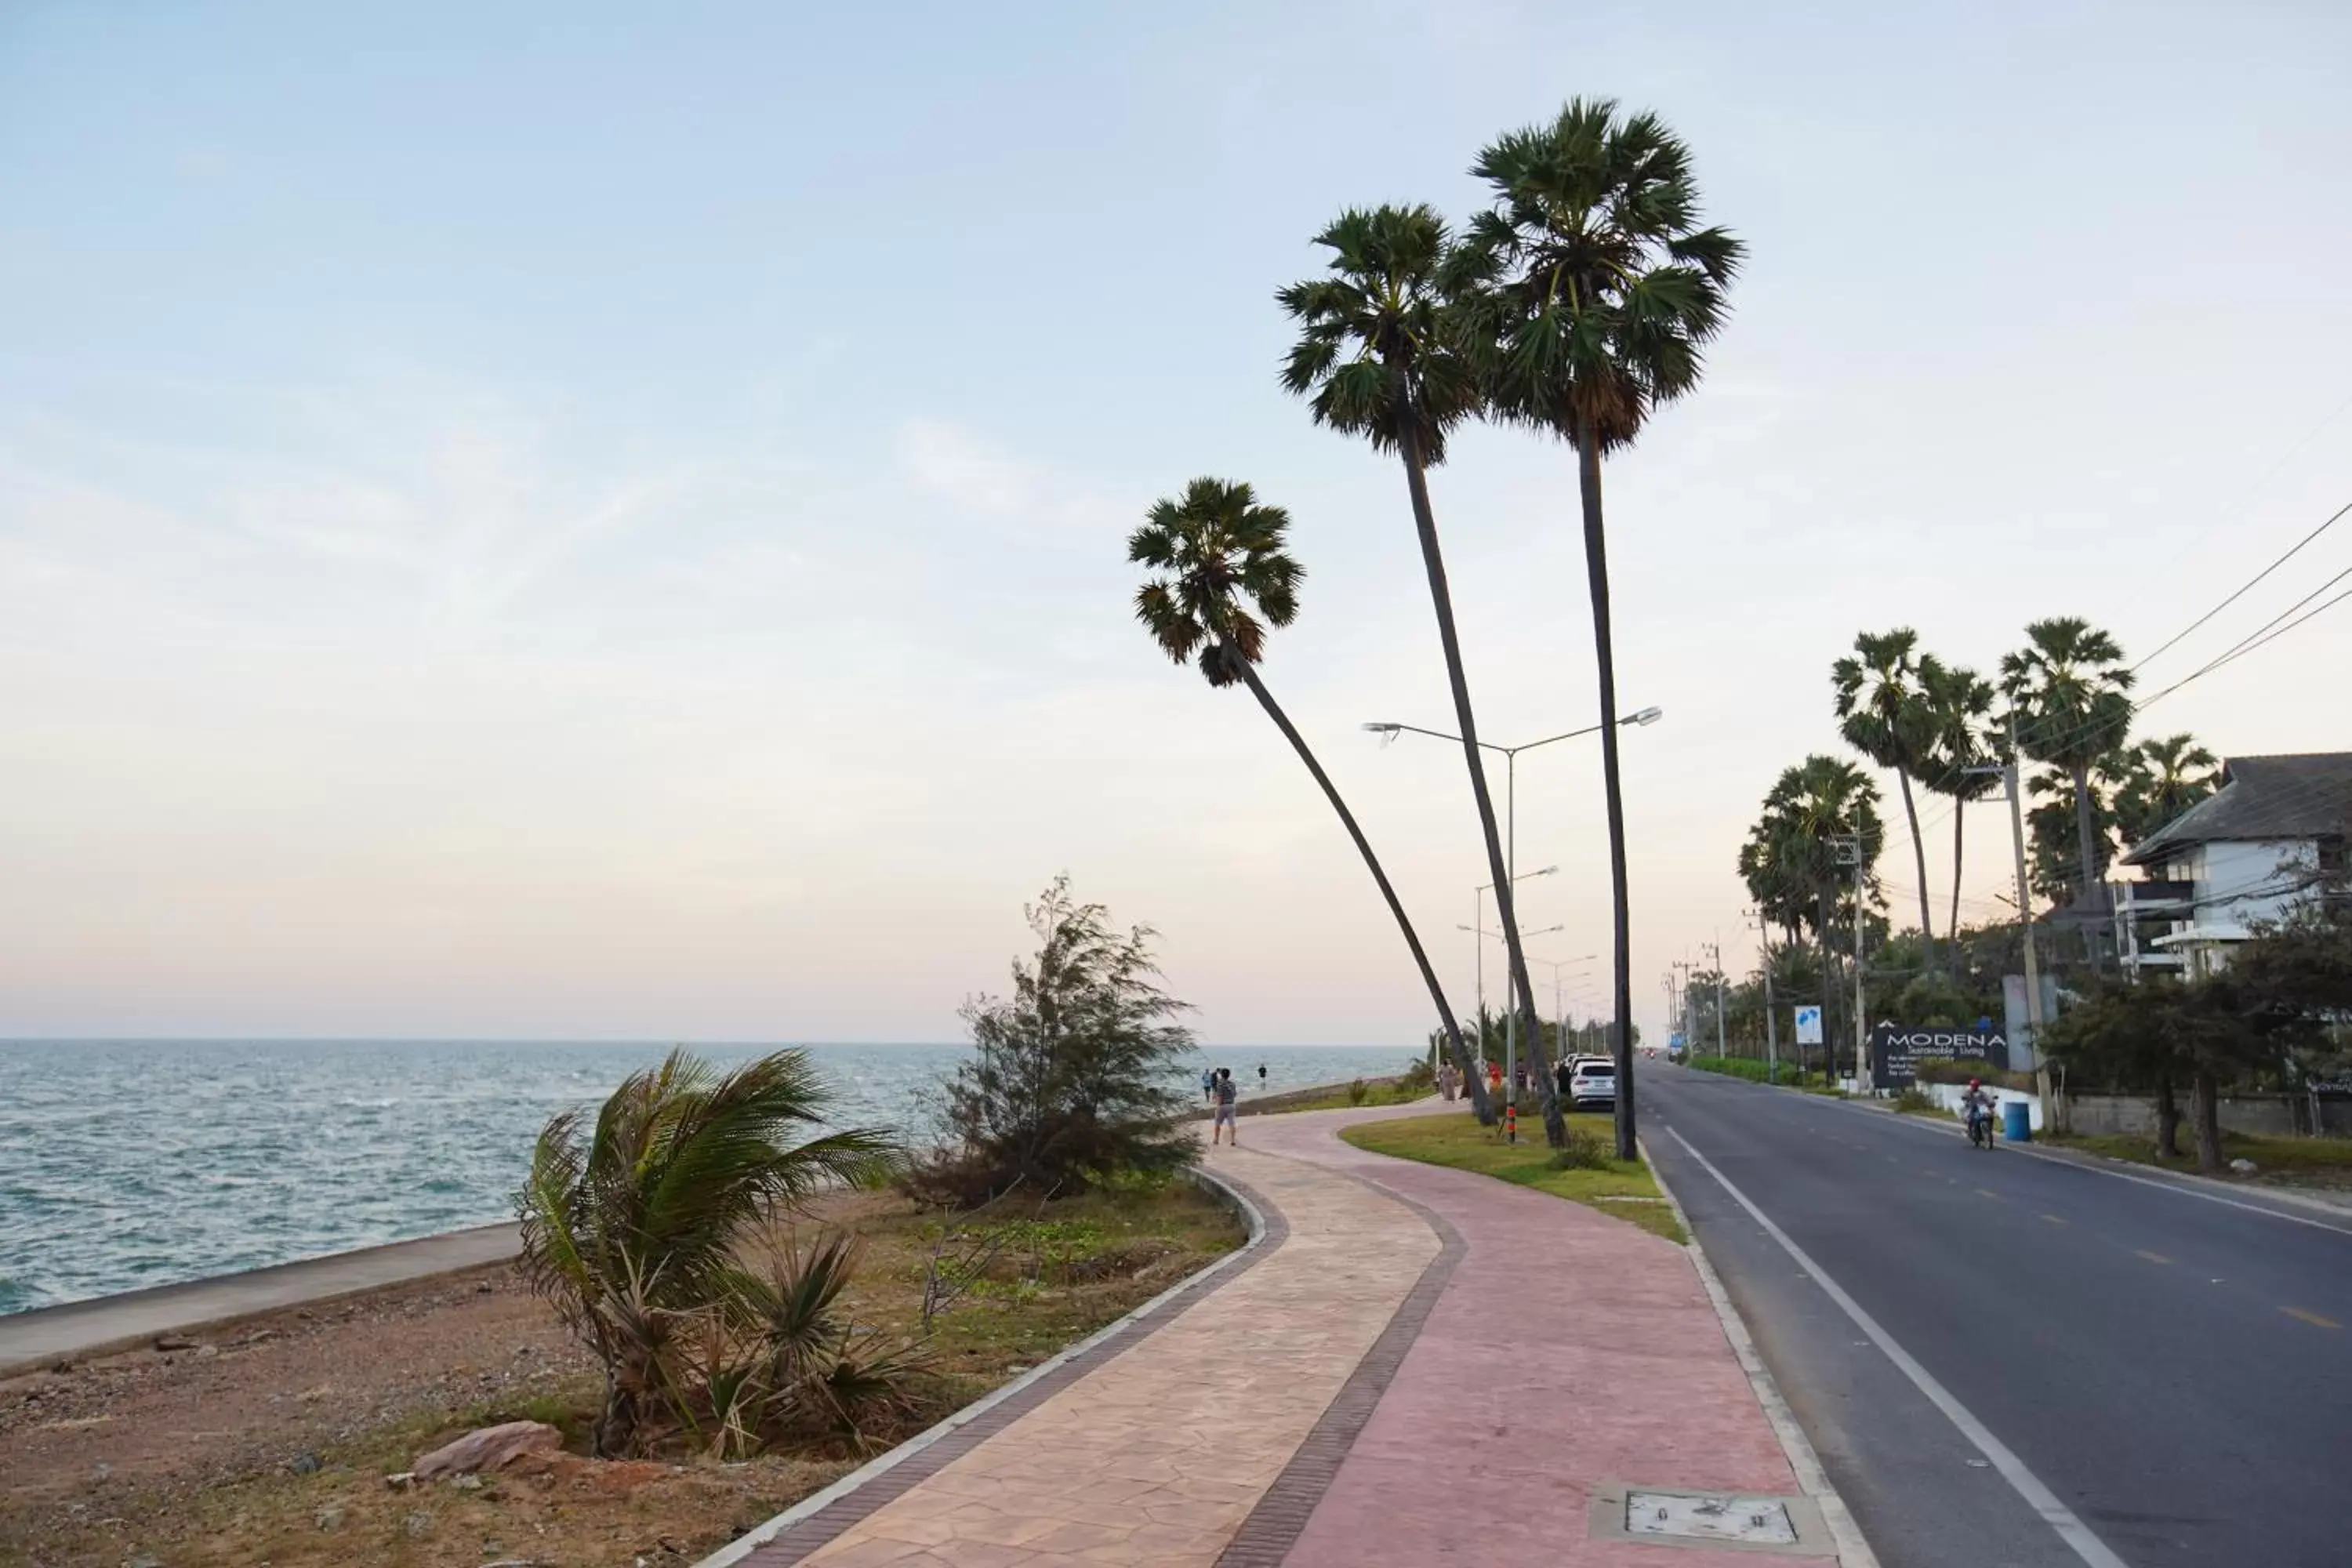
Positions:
(186, 1461)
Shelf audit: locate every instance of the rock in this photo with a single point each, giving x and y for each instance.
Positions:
(488, 1448)
(486, 1289)
(144, 1560)
(401, 1482)
(207, 1353)
(330, 1516)
(99, 1472)
(467, 1483)
(2245, 1167)
(416, 1526)
(305, 1465)
(174, 1342)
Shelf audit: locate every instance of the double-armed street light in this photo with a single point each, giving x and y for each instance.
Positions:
(1390, 730)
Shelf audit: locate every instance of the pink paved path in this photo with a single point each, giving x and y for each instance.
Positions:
(1568, 1348)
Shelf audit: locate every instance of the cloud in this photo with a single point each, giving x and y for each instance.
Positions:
(987, 480)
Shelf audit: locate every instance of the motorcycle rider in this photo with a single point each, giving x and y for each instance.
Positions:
(1974, 1103)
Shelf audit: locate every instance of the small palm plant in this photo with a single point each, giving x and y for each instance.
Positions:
(1378, 356)
(1588, 294)
(1219, 553)
(2072, 696)
(632, 1224)
(1882, 714)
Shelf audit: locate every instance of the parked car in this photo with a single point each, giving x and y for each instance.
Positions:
(1594, 1082)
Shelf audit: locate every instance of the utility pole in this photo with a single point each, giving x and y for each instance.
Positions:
(1771, 1007)
(2050, 1113)
(1717, 950)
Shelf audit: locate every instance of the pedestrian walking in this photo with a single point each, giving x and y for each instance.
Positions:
(1208, 1085)
(1223, 1092)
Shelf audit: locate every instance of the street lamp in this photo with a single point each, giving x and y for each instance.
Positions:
(1560, 1018)
(1390, 730)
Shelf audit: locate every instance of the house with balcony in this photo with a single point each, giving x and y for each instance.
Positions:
(2272, 836)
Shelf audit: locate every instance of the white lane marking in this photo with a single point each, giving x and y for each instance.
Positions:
(2045, 1502)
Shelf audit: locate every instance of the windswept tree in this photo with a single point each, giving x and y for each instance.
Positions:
(1589, 289)
(1222, 577)
(1958, 704)
(2162, 778)
(1378, 356)
(1883, 712)
(2071, 692)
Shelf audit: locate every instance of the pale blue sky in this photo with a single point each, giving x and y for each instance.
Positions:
(608, 520)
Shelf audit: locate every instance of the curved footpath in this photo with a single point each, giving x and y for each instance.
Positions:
(1414, 1365)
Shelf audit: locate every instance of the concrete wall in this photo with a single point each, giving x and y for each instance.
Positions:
(2265, 1115)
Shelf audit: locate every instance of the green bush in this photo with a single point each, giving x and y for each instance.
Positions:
(1583, 1152)
(1913, 1100)
(1419, 1080)
(1358, 1091)
(1961, 1071)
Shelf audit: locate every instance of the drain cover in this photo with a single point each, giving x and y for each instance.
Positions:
(1753, 1521)
(1715, 1521)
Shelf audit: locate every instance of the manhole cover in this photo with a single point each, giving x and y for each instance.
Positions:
(1752, 1520)
(1654, 1515)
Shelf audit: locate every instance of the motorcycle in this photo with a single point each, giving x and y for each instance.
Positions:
(1980, 1126)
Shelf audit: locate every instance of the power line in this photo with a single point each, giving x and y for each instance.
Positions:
(2250, 582)
(2264, 632)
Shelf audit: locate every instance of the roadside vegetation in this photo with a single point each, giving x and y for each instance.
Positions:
(1582, 1170)
(2277, 1161)
(1788, 1075)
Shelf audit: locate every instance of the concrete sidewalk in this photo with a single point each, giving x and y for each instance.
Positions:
(1419, 1365)
(78, 1328)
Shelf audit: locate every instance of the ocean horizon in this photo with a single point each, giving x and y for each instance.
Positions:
(130, 1163)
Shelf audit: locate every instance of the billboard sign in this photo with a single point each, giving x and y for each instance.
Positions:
(1895, 1051)
(1809, 1026)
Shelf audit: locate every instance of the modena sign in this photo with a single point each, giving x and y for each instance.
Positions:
(1895, 1051)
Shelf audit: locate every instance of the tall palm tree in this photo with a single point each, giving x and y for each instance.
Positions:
(1959, 703)
(630, 1225)
(2165, 777)
(1882, 714)
(2072, 695)
(1791, 862)
(1378, 356)
(1591, 290)
(1227, 578)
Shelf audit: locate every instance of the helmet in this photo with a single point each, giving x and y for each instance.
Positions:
(1974, 1084)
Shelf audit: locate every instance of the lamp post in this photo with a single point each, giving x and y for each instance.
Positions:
(1647, 716)
(1510, 1036)
(1558, 1015)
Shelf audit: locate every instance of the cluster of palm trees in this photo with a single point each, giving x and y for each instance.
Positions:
(1575, 305)
(2063, 700)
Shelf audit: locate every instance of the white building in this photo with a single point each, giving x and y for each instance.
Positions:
(2272, 836)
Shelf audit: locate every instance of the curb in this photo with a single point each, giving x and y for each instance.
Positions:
(1853, 1549)
(761, 1535)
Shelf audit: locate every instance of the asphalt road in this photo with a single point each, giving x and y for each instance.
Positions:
(2106, 1371)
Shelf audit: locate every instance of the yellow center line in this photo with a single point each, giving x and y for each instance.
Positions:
(2053, 1219)
(2314, 1319)
(2154, 1256)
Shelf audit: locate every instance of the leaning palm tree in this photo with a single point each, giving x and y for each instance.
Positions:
(1221, 553)
(2072, 695)
(1377, 357)
(630, 1224)
(2166, 777)
(1882, 714)
(1588, 294)
(1959, 703)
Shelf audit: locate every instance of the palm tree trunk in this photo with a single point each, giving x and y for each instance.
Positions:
(2085, 841)
(1506, 907)
(2205, 1109)
(1919, 857)
(1960, 821)
(1479, 1102)
(1596, 571)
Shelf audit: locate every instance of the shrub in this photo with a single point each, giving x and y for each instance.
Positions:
(1914, 1099)
(1358, 1091)
(1418, 1081)
(1073, 1084)
(631, 1227)
(1961, 1071)
(1583, 1152)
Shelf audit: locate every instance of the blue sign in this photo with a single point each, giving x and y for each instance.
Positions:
(1809, 1026)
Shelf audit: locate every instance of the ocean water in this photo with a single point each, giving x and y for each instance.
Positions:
(125, 1164)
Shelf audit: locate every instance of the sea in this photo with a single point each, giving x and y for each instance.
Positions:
(130, 1163)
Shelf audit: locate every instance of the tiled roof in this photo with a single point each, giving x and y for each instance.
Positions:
(2303, 795)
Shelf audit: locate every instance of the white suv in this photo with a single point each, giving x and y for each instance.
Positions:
(1592, 1081)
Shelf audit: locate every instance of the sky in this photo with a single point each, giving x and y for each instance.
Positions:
(607, 521)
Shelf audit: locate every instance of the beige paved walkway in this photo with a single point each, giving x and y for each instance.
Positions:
(1155, 1457)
